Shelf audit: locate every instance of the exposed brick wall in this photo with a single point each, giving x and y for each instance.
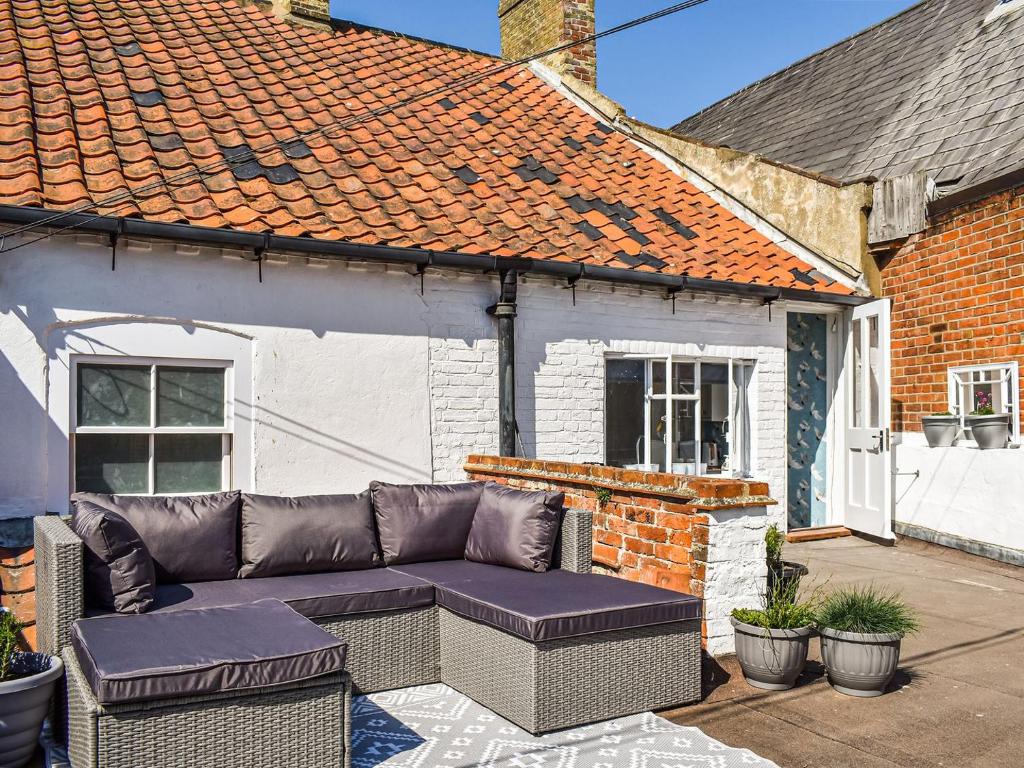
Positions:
(958, 299)
(672, 531)
(17, 588)
(531, 26)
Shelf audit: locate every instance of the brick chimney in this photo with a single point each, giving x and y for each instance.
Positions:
(303, 10)
(532, 26)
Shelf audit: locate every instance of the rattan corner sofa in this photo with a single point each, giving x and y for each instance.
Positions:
(481, 587)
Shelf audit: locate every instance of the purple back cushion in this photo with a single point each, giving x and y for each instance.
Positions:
(515, 528)
(283, 535)
(119, 574)
(191, 538)
(418, 523)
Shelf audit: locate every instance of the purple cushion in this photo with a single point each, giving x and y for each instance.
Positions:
(209, 650)
(119, 574)
(447, 571)
(416, 523)
(560, 604)
(307, 534)
(191, 538)
(313, 595)
(515, 528)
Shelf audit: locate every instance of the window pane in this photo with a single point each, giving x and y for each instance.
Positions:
(624, 412)
(659, 424)
(658, 376)
(188, 463)
(858, 373)
(190, 397)
(113, 396)
(875, 373)
(684, 417)
(682, 378)
(112, 463)
(714, 400)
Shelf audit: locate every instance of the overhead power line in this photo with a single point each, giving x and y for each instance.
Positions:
(249, 154)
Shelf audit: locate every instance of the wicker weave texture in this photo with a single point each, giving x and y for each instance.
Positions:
(576, 541)
(60, 586)
(562, 683)
(390, 649)
(306, 724)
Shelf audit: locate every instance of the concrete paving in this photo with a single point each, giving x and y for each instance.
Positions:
(957, 700)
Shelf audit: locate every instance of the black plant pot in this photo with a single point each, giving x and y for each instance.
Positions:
(783, 580)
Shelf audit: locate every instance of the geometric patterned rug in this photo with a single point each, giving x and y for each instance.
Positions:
(434, 726)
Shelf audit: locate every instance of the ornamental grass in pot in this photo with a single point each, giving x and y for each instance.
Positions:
(861, 629)
(940, 429)
(27, 681)
(989, 429)
(771, 641)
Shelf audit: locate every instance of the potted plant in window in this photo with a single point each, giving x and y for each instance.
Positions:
(940, 429)
(27, 681)
(861, 630)
(771, 642)
(990, 429)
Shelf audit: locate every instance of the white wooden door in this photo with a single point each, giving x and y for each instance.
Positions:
(868, 449)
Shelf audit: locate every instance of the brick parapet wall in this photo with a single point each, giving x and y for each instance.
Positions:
(702, 536)
(958, 299)
(17, 588)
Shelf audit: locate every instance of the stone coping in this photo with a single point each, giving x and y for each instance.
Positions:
(701, 493)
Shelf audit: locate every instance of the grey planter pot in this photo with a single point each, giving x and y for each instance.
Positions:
(23, 706)
(940, 431)
(990, 431)
(771, 658)
(859, 664)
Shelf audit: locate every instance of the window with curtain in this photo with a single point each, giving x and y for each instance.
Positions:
(148, 427)
(679, 415)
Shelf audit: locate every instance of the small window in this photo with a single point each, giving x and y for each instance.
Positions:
(684, 416)
(151, 428)
(995, 384)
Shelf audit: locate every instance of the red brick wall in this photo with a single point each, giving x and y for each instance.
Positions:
(17, 588)
(648, 527)
(958, 299)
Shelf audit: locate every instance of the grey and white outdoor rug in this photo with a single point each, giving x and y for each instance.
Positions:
(434, 726)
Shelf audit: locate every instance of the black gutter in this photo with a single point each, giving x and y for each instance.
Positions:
(418, 257)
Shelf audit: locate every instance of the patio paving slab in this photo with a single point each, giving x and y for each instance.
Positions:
(958, 699)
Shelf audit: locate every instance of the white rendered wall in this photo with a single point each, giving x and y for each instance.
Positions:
(355, 375)
(961, 491)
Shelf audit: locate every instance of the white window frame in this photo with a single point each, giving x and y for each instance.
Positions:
(226, 430)
(1008, 383)
(733, 435)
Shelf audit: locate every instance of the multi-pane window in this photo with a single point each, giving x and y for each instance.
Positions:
(679, 415)
(995, 384)
(144, 428)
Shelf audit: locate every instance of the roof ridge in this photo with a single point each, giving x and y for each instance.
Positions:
(798, 62)
(340, 25)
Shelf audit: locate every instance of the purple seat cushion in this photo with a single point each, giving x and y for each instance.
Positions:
(555, 604)
(416, 523)
(191, 538)
(208, 650)
(313, 595)
(515, 528)
(119, 574)
(284, 535)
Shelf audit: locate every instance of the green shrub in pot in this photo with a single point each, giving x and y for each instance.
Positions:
(861, 629)
(781, 573)
(27, 681)
(771, 641)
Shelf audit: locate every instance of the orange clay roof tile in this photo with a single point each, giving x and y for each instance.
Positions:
(101, 98)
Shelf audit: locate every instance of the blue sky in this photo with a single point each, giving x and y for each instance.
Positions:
(671, 68)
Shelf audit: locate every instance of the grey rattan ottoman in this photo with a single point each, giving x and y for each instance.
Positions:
(254, 686)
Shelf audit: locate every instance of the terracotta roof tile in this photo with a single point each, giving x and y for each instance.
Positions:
(99, 97)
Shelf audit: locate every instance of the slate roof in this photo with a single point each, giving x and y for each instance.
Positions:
(99, 97)
(932, 89)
